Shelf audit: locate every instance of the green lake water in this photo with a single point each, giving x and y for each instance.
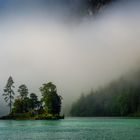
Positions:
(71, 129)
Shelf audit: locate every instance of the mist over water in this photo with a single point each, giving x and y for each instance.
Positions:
(42, 42)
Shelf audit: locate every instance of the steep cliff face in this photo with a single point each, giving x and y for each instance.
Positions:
(95, 5)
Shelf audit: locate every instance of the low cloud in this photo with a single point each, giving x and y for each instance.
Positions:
(76, 56)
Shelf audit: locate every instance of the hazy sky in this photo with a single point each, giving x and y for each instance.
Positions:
(42, 42)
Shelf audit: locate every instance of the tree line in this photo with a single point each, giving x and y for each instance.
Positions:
(50, 102)
(119, 98)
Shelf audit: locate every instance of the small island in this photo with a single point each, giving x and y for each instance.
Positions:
(28, 107)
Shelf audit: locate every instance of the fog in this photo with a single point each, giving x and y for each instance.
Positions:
(40, 43)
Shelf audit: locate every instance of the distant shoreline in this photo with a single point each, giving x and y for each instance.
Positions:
(12, 117)
(63, 117)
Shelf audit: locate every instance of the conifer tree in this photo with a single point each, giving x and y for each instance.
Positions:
(9, 92)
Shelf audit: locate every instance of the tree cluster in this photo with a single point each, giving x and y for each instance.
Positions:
(50, 103)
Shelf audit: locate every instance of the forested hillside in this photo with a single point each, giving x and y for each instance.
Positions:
(119, 98)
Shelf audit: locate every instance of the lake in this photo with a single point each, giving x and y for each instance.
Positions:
(71, 129)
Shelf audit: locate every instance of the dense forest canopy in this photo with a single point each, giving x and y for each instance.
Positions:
(119, 98)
